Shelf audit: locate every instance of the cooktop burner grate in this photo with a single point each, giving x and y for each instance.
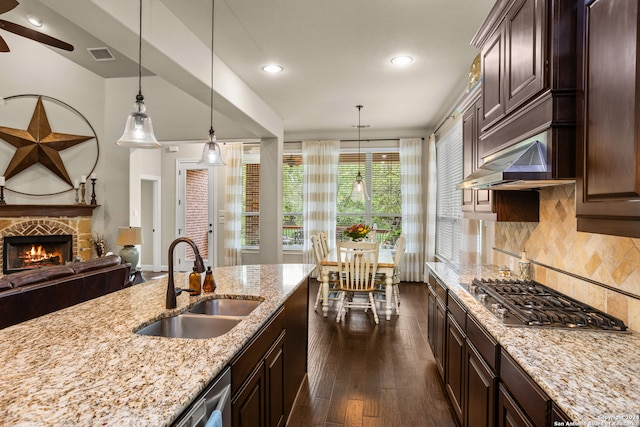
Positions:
(529, 303)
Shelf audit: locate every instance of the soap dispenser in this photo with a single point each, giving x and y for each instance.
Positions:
(195, 282)
(524, 266)
(209, 282)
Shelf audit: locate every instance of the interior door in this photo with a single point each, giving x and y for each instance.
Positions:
(194, 218)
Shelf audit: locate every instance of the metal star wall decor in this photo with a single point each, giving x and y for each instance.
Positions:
(38, 144)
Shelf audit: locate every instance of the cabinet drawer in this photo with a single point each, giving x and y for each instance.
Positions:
(246, 362)
(458, 313)
(530, 397)
(483, 342)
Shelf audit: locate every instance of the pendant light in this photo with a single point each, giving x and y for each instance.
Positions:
(138, 132)
(359, 189)
(211, 154)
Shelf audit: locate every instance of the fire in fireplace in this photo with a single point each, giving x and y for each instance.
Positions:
(28, 252)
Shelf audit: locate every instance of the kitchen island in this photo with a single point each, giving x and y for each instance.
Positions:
(592, 377)
(85, 365)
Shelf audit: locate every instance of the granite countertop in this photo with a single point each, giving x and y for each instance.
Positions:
(593, 377)
(84, 365)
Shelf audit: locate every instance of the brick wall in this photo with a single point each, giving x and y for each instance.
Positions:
(197, 211)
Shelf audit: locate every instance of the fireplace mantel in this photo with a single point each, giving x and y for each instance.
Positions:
(12, 211)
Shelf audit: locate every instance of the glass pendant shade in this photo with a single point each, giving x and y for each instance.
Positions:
(359, 190)
(211, 154)
(138, 131)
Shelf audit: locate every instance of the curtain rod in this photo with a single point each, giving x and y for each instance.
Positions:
(355, 140)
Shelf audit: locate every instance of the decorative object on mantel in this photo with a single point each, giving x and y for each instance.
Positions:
(12, 27)
(138, 132)
(357, 232)
(38, 144)
(93, 188)
(129, 237)
(211, 154)
(2, 201)
(83, 189)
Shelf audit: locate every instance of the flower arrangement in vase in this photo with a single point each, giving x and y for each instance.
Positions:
(357, 232)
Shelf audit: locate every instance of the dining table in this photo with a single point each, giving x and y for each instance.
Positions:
(386, 266)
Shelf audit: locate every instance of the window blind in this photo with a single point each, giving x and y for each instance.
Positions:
(449, 200)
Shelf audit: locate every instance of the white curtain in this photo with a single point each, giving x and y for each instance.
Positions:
(233, 205)
(432, 194)
(412, 216)
(320, 187)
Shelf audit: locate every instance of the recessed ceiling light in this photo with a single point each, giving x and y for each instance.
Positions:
(34, 20)
(272, 68)
(402, 60)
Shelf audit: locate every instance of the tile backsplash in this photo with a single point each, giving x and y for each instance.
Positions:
(610, 261)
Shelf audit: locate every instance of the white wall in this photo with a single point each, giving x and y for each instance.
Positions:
(31, 68)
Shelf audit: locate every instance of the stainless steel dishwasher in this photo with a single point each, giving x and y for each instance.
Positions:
(217, 395)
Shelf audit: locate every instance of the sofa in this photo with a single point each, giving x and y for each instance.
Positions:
(32, 293)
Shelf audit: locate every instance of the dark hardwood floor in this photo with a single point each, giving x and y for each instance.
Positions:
(363, 374)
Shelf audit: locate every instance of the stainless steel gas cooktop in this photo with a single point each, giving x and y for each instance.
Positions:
(529, 303)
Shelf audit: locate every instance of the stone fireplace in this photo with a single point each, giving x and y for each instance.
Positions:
(35, 223)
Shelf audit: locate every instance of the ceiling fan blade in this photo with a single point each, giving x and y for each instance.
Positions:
(3, 45)
(34, 35)
(7, 5)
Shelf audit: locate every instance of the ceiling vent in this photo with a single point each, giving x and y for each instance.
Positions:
(101, 54)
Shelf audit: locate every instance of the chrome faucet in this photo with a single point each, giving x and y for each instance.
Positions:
(172, 292)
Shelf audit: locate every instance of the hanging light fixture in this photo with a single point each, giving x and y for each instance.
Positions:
(359, 189)
(211, 154)
(138, 132)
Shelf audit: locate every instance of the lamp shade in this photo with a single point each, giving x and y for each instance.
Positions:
(359, 190)
(138, 131)
(129, 236)
(211, 154)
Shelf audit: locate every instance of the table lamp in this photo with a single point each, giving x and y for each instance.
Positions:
(129, 237)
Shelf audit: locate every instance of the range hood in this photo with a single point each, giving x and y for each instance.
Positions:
(521, 166)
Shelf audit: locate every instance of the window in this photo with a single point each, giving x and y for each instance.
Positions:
(292, 182)
(381, 172)
(251, 197)
(449, 199)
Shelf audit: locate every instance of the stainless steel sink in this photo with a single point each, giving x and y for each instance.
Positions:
(191, 326)
(225, 307)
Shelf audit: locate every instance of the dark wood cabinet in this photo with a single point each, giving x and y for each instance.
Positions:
(529, 83)
(558, 417)
(248, 406)
(274, 369)
(608, 180)
(473, 201)
(266, 375)
(260, 401)
(509, 413)
(525, 52)
(455, 367)
(512, 206)
(296, 313)
(513, 60)
(437, 318)
(481, 390)
(485, 385)
(521, 392)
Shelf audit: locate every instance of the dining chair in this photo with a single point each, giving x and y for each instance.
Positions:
(397, 270)
(325, 242)
(357, 264)
(319, 255)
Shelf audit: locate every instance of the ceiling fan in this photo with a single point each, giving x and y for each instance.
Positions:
(6, 6)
